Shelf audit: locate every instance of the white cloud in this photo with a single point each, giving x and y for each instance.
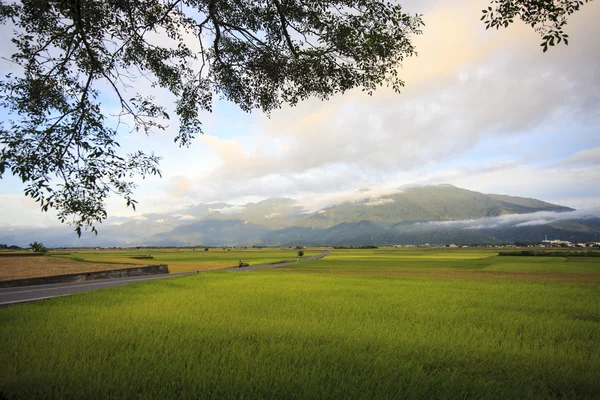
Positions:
(179, 186)
(533, 222)
(577, 187)
(467, 84)
(228, 210)
(186, 217)
(378, 202)
(583, 157)
(318, 201)
(517, 220)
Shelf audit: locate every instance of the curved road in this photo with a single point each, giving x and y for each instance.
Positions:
(283, 264)
(24, 294)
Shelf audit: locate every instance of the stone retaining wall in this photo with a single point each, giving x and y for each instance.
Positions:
(89, 276)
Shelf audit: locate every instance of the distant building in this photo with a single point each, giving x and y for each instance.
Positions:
(556, 242)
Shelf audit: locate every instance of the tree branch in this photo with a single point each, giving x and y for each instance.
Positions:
(284, 26)
(212, 11)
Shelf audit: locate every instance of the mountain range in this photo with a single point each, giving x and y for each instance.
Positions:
(440, 214)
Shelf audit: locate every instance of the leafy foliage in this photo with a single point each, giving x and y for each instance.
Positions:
(38, 247)
(259, 54)
(547, 17)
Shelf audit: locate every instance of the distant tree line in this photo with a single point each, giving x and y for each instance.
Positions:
(35, 246)
(7, 247)
(356, 247)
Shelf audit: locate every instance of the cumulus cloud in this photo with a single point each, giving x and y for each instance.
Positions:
(186, 217)
(472, 102)
(272, 215)
(583, 157)
(467, 84)
(179, 186)
(19, 210)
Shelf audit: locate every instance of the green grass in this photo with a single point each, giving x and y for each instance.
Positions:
(276, 334)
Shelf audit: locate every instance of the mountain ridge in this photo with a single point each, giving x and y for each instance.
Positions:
(419, 214)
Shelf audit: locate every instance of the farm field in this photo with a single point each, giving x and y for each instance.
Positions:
(341, 327)
(455, 264)
(19, 267)
(186, 259)
(179, 260)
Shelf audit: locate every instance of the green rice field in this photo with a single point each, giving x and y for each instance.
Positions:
(438, 262)
(357, 324)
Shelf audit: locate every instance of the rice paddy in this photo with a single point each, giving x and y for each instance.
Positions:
(341, 327)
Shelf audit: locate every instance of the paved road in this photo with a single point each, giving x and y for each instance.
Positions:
(255, 267)
(24, 294)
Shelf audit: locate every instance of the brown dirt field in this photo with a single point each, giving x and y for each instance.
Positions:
(537, 276)
(174, 266)
(33, 267)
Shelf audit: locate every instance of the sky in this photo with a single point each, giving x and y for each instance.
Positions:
(482, 110)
